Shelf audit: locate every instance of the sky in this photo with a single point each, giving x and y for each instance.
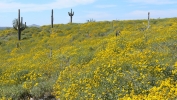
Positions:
(39, 11)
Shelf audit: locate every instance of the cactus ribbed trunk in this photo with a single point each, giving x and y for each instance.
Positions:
(19, 32)
(52, 19)
(71, 20)
(71, 14)
(148, 20)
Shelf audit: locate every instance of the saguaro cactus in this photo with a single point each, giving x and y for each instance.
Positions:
(19, 25)
(71, 15)
(52, 19)
(148, 19)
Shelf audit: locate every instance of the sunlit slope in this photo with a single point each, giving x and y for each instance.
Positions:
(78, 61)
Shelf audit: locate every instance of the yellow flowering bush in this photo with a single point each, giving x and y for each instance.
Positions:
(88, 61)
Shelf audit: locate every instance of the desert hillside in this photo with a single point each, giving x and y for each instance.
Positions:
(89, 62)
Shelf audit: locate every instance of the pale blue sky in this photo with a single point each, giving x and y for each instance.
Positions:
(39, 11)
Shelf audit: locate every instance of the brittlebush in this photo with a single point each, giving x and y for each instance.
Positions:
(87, 61)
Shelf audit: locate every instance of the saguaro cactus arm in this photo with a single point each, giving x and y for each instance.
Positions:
(21, 23)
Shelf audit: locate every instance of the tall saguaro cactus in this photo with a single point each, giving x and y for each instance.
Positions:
(52, 19)
(19, 26)
(148, 20)
(71, 14)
